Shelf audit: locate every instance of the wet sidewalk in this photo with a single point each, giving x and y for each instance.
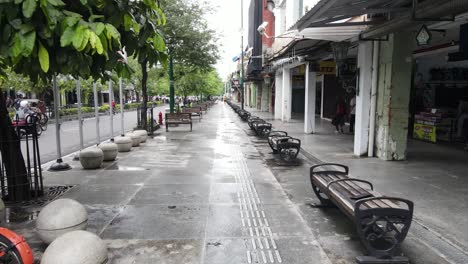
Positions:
(206, 196)
(434, 177)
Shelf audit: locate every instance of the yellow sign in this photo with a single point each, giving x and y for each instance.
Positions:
(424, 132)
(327, 67)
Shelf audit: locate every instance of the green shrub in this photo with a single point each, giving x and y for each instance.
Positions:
(104, 108)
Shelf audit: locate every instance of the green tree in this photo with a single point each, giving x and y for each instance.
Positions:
(78, 38)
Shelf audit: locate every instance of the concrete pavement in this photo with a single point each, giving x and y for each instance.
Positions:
(218, 195)
(434, 178)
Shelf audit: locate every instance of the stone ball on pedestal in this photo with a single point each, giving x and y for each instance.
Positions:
(91, 158)
(59, 217)
(77, 247)
(142, 133)
(124, 144)
(135, 139)
(110, 150)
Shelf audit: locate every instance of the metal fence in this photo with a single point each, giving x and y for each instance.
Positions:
(20, 162)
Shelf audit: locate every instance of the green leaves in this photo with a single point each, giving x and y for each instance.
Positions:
(158, 43)
(43, 55)
(67, 37)
(29, 6)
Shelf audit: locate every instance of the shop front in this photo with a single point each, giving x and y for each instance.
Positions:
(439, 95)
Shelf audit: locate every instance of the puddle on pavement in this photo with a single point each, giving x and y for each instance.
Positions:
(125, 168)
(19, 214)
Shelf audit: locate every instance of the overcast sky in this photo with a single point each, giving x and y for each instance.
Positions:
(225, 19)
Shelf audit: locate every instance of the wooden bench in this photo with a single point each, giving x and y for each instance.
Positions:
(204, 107)
(194, 111)
(178, 118)
(382, 222)
(288, 147)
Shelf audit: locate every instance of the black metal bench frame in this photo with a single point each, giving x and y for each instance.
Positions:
(253, 119)
(262, 129)
(382, 223)
(288, 148)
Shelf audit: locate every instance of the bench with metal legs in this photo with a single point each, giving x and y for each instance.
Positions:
(382, 223)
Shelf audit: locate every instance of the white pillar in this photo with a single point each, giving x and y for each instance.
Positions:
(322, 92)
(310, 93)
(363, 98)
(287, 94)
(278, 95)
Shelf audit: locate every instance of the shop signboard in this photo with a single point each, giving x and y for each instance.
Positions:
(424, 132)
(327, 67)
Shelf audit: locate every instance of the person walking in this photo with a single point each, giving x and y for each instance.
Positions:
(352, 113)
(340, 113)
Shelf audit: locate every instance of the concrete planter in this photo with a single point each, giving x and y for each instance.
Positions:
(135, 139)
(124, 144)
(110, 150)
(59, 217)
(77, 247)
(91, 158)
(143, 135)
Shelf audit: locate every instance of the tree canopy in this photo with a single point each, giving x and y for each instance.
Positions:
(79, 38)
(190, 40)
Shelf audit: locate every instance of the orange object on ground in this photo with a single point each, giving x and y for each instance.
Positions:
(20, 250)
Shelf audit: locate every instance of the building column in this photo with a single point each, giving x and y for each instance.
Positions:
(286, 94)
(310, 93)
(363, 98)
(393, 94)
(278, 94)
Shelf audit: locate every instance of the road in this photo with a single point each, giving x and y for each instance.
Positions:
(69, 133)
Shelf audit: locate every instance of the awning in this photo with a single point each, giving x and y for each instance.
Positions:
(334, 12)
(382, 16)
(311, 36)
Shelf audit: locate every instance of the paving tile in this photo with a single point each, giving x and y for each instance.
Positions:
(102, 194)
(158, 222)
(224, 221)
(122, 251)
(173, 194)
(224, 193)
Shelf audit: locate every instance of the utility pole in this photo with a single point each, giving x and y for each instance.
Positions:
(241, 79)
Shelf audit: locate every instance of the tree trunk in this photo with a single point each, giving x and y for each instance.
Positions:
(12, 158)
(144, 94)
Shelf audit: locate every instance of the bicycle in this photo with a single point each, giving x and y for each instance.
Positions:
(14, 249)
(43, 120)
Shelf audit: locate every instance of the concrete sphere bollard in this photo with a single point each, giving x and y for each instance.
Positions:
(124, 144)
(143, 134)
(135, 139)
(91, 158)
(59, 217)
(77, 247)
(110, 150)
